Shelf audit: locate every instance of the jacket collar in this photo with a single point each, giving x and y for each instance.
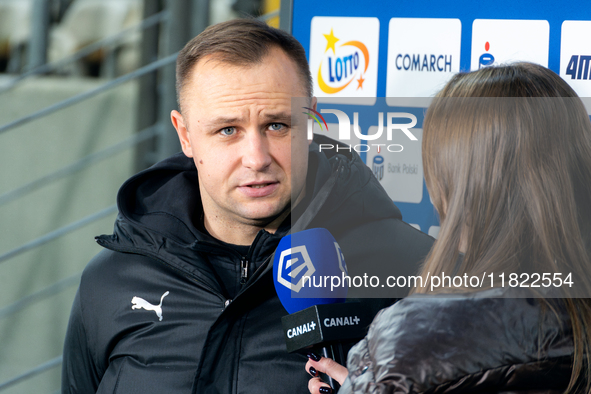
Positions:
(158, 207)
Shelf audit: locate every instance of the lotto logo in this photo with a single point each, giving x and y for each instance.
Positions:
(344, 57)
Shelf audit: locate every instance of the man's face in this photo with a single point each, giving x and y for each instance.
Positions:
(236, 125)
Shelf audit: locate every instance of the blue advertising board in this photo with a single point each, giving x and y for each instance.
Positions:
(373, 57)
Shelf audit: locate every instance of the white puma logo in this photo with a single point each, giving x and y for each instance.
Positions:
(141, 303)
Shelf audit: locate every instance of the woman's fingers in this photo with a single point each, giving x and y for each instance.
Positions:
(327, 366)
(315, 385)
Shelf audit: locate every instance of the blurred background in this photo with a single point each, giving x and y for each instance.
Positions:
(86, 89)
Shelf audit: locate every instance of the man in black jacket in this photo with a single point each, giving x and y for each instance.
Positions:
(182, 299)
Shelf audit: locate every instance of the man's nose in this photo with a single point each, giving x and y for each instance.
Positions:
(255, 151)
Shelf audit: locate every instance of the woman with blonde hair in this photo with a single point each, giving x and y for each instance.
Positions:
(507, 162)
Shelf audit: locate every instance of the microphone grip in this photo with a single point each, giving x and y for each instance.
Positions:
(336, 352)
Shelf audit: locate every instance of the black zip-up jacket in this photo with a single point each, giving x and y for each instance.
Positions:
(154, 312)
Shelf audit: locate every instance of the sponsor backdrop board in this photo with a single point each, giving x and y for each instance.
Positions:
(372, 58)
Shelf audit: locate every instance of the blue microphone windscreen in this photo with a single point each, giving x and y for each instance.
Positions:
(309, 269)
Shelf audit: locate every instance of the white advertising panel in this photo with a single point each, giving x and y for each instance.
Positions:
(344, 58)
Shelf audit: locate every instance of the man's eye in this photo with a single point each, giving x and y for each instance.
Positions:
(276, 126)
(228, 131)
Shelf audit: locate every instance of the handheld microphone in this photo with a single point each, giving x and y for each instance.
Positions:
(310, 277)
(304, 266)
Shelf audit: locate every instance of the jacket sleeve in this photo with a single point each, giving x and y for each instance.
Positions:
(370, 375)
(79, 371)
(361, 377)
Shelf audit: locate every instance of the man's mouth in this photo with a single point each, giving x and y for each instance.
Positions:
(262, 189)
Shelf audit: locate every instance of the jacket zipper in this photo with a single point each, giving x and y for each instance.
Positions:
(243, 270)
(244, 261)
(248, 257)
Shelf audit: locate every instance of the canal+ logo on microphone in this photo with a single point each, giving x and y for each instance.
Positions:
(344, 57)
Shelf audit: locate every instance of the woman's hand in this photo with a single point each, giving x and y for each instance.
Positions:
(317, 364)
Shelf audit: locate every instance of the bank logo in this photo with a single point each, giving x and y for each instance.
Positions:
(378, 167)
(505, 41)
(575, 58)
(399, 171)
(423, 54)
(294, 265)
(343, 56)
(486, 59)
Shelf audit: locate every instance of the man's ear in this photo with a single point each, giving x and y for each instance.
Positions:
(314, 102)
(183, 132)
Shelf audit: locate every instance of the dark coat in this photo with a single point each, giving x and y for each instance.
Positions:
(203, 339)
(463, 344)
